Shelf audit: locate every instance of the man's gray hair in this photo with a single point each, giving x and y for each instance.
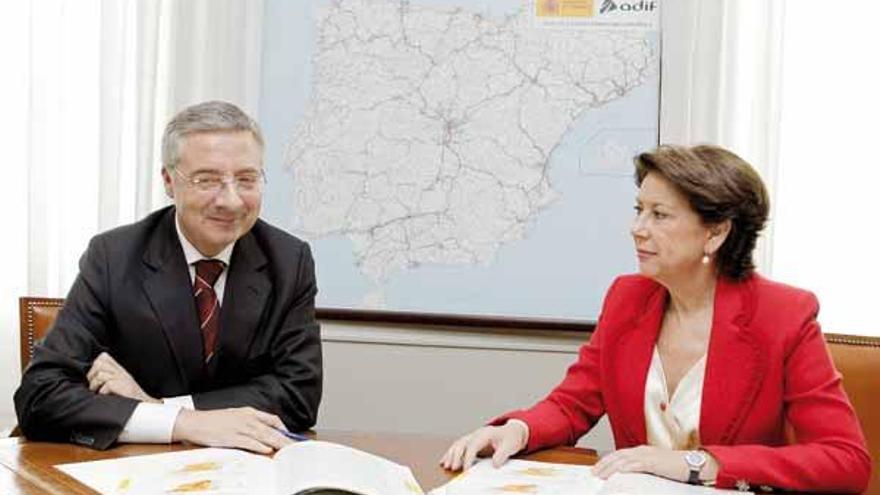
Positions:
(209, 116)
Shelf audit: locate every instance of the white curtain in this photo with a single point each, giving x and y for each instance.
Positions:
(88, 87)
(14, 85)
(721, 82)
(828, 171)
(805, 122)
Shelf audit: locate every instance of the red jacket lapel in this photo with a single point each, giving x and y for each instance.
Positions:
(628, 371)
(735, 364)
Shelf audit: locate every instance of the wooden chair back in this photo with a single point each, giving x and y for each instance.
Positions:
(37, 314)
(858, 360)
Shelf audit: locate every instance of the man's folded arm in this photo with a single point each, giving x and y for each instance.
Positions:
(53, 401)
(54, 405)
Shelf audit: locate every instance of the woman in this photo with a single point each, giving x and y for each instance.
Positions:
(699, 362)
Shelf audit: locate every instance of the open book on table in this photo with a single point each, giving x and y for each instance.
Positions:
(543, 478)
(310, 467)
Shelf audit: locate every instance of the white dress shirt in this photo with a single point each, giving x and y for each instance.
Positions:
(154, 423)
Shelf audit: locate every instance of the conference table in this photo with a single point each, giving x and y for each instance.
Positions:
(27, 467)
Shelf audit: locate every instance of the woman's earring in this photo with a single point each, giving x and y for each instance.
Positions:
(705, 259)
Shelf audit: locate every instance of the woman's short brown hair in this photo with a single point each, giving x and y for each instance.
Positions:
(719, 186)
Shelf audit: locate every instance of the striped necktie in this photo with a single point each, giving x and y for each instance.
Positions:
(207, 272)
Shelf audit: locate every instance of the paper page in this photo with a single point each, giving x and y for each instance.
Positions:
(645, 484)
(518, 476)
(312, 464)
(215, 471)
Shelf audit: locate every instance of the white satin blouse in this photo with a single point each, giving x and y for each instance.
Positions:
(674, 422)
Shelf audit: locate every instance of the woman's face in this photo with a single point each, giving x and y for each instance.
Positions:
(670, 238)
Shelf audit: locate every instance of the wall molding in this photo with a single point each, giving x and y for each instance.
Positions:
(490, 339)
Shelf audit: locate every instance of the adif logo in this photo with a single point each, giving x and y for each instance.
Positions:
(639, 6)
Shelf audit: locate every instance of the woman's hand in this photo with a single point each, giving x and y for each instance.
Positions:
(653, 460)
(500, 441)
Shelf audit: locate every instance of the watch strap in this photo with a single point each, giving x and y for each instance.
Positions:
(694, 477)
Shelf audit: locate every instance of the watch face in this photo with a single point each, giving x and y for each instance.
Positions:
(695, 459)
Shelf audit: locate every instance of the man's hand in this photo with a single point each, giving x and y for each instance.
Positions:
(106, 376)
(242, 427)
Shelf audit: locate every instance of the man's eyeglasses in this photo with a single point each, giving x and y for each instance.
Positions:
(211, 183)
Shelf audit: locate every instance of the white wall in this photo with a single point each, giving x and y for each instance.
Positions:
(443, 381)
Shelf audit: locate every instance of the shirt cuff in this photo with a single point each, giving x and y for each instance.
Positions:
(184, 401)
(150, 423)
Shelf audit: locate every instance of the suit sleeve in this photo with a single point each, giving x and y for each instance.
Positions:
(292, 390)
(830, 451)
(53, 402)
(575, 405)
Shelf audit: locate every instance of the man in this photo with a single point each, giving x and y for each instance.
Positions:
(195, 324)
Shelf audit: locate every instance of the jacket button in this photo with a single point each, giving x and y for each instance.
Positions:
(81, 439)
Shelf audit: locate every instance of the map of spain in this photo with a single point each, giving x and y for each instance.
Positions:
(429, 132)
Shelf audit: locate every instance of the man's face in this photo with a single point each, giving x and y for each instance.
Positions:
(212, 219)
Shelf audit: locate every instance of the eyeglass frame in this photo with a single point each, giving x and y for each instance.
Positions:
(225, 180)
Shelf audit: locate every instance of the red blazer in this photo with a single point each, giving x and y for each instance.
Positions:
(767, 365)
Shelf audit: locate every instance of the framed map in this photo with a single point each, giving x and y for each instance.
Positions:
(460, 157)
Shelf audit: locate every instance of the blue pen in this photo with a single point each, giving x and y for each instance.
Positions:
(293, 436)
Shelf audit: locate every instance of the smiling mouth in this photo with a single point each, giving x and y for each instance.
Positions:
(226, 221)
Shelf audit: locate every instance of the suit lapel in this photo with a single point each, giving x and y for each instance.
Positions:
(632, 358)
(169, 290)
(247, 288)
(735, 364)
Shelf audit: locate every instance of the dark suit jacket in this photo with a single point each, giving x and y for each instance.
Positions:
(133, 298)
(767, 367)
